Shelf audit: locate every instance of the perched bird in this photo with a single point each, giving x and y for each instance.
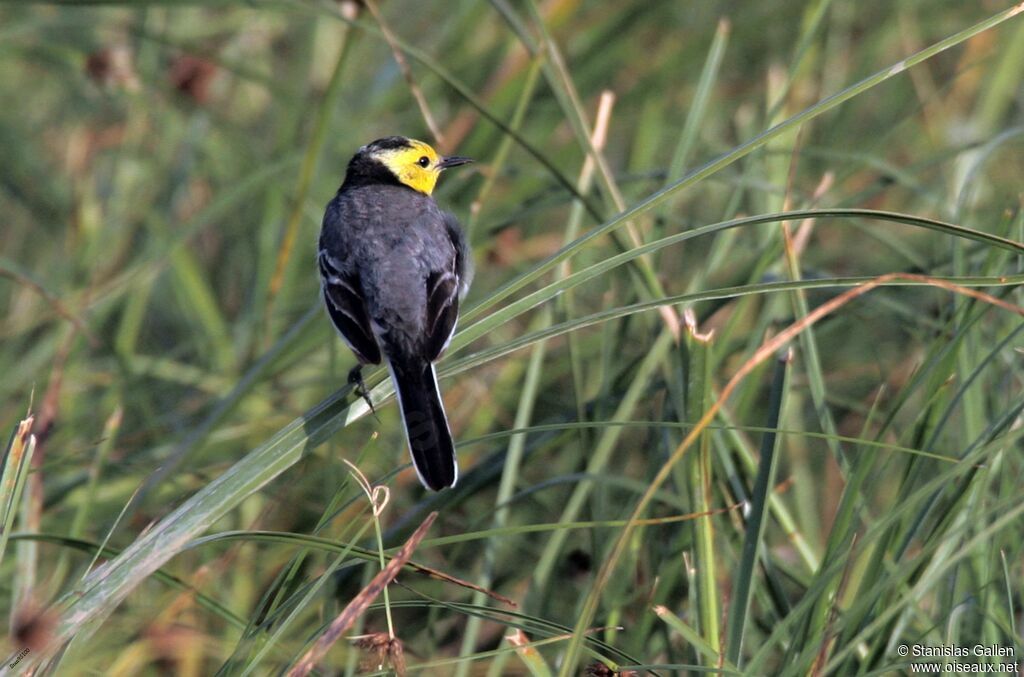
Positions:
(393, 268)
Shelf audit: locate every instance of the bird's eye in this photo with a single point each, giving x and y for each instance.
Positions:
(423, 162)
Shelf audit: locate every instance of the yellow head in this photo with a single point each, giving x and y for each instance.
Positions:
(412, 163)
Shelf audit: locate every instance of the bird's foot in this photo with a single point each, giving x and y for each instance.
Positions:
(355, 377)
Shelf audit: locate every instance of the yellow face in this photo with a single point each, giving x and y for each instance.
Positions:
(417, 165)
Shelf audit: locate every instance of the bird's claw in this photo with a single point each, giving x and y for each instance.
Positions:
(355, 377)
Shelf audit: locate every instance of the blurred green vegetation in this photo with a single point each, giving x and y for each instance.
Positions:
(164, 172)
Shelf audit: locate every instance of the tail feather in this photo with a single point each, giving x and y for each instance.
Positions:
(425, 423)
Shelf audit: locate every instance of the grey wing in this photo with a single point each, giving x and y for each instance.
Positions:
(463, 257)
(442, 311)
(345, 305)
(444, 290)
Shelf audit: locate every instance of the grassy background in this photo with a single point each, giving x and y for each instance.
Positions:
(165, 169)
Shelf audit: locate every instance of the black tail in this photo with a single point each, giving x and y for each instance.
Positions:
(426, 427)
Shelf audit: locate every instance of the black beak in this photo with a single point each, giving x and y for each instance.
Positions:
(453, 161)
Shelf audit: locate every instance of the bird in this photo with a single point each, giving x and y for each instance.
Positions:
(393, 269)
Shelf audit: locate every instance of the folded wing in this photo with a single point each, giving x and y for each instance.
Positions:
(345, 305)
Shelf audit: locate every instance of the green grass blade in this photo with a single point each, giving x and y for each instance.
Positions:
(17, 463)
(753, 539)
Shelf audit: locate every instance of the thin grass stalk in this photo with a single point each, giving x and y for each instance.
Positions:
(695, 639)
(276, 595)
(478, 328)
(895, 544)
(174, 582)
(712, 167)
(874, 537)
(197, 298)
(589, 608)
(753, 539)
(528, 654)
(808, 340)
(812, 25)
(780, 511)
(102, 590)
(509, 479)
(17, 463)
(147, 268)
(403, 67)
(698, 391)
(110, 430)
(310, 161)
(225, 406)
(698, 107)
(1002, 517)
(839, 539)
(26, 596)
(566, 304)
(598, 459)
(1002, 86)
(908, 574)
(602, 317)
(311, 593)
(497, 163)
(561, 83)
(527, 400)
(360, 603)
